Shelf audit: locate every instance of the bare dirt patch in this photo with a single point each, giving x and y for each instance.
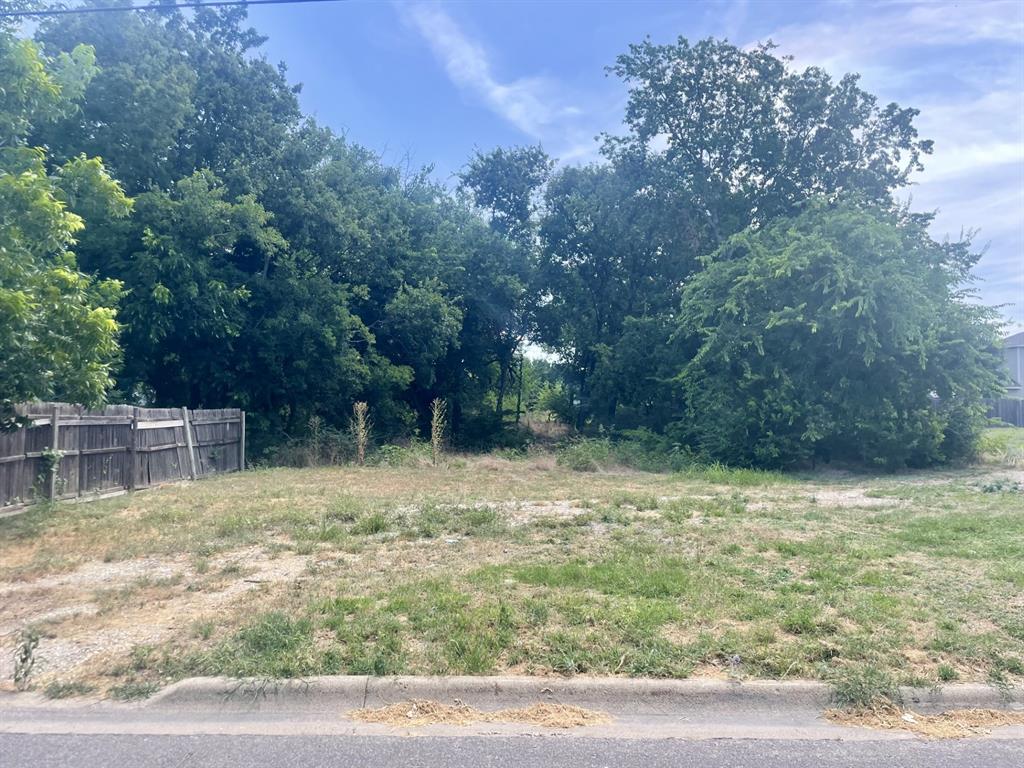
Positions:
(80, 636)
(527, 512)
(420, 712)
(954, 724)
(834, 498)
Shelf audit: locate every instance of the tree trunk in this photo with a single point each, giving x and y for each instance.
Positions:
(503, 365)
(519, 391)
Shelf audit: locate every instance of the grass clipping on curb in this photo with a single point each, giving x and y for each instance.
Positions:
(419, 712)
(954, 724)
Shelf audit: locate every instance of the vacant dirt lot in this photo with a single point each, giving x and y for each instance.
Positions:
(491, 565)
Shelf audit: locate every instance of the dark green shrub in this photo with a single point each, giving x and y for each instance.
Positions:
(586, 455)
(841, 333)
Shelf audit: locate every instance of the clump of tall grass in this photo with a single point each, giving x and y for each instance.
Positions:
(649, 452)
(437, 429)
(360, 427)
(320, 446)
(1003, 446)
(863, 686)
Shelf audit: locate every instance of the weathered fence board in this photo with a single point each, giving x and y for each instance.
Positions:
(117, 448)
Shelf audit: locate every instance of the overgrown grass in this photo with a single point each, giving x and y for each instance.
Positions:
(529, 567)
(1003, 445)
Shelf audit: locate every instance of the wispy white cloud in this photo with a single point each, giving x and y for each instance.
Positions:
(531, 104)
(536, 105)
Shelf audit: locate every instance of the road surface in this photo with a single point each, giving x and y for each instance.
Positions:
(234, 751)
(209, 732)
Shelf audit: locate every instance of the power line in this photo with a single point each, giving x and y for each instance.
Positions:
(172, 6)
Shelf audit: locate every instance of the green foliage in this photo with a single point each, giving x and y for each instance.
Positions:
(421, 326)
(1002, 445)
(268, 263)
(607, 256)
(827, 336)
(648, 451)
(720, 138)
(38, 90)
(414, 454)
(554, 399)
(505, 184)
(586, 455)
(748, 138)
(373, 523)
(63, 690)
(58, 333)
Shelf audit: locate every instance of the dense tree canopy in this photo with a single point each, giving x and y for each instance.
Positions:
(734, 274)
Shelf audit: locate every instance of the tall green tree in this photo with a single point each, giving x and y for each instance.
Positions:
(190, 258)
(719, 138)
(506, 185)
(58, 332)
(744, 137)
(842, 333)
(609, 255)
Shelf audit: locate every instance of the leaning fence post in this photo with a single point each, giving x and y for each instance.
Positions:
(55, 448)
(188, 444)
(241, 443)
(131, 449)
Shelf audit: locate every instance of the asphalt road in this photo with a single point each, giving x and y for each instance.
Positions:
(223, 751)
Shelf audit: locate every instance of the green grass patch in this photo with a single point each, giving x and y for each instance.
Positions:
(64, 690)
(134, 691)
(862, 686)
(371, 524)
(467, 569)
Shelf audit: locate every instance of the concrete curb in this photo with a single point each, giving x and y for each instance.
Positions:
(622, 696)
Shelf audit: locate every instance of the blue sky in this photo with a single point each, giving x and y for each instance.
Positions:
(428, 82)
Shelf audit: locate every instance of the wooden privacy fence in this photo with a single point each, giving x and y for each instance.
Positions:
(1008, 409)
(115, 449)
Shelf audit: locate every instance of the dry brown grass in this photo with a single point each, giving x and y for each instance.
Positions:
(571, 573)
(421, 712)
(954, 724)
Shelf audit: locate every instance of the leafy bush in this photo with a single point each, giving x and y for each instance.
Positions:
(645, 450)
(1002, 445)
(554, 399)
(586, 455)
(320, 446)
(415, 454)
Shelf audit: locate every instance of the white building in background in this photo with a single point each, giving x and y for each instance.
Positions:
(1013, 354)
